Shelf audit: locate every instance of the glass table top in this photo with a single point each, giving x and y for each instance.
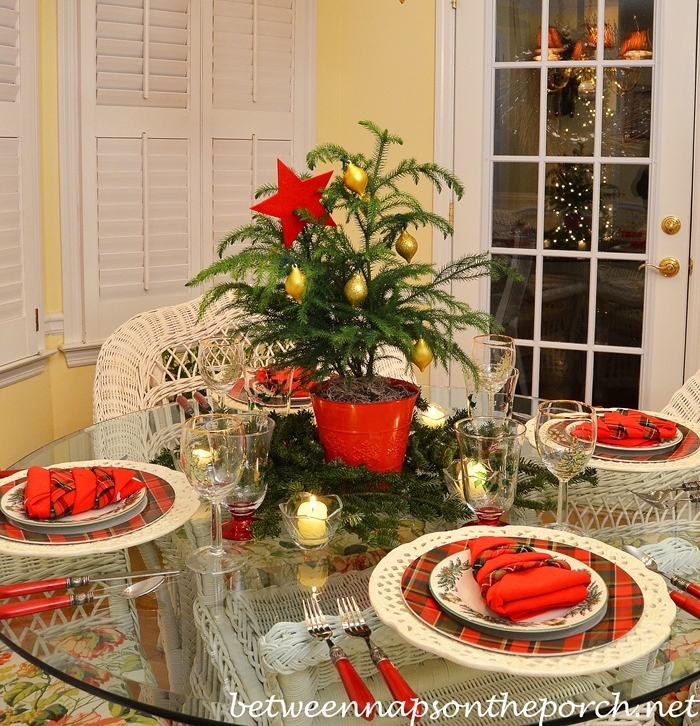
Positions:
(195, 649)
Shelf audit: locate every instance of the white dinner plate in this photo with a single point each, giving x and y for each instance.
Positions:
(456, 592)
(12, 506)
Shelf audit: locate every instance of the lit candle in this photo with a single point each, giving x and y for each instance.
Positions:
(477, 474)
(201, 457)
(312, 516)
(434, 416)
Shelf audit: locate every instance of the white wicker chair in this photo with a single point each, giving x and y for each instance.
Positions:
(152, 358)
(685, 402)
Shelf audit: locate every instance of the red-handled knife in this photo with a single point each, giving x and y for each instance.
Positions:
(650, 563)
(38, 605)
(63, 583)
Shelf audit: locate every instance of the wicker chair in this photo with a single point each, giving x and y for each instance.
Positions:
(685, 402)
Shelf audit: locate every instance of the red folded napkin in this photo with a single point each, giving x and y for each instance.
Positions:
(277, 380)
(54, 493)
(519, 583)
(628, 427)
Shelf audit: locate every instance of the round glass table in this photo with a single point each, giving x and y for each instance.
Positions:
(204, 650)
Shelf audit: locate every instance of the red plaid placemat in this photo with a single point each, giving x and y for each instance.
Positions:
(688, 445)
(625, 603)
(160, 497)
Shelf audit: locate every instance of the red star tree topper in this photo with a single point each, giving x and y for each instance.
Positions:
(295, 193)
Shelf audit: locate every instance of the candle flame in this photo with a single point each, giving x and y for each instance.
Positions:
(312, 503)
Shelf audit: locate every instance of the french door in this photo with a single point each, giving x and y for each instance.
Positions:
(576, 147)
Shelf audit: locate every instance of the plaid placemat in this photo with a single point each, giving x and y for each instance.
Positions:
(625, 603)
(688, 445)
(160, 497)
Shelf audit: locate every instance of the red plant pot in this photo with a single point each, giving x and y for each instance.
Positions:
(373, 434)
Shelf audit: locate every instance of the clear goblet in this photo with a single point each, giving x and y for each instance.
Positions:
(495, 357)
(248, 493)
(220, 365)
(268, 383)
(212, 454)
(565, 435)
(490, 453)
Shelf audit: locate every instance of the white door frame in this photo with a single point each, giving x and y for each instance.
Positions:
(445, 63)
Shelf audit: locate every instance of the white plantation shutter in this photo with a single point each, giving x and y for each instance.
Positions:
(142, 53)
(140, 119)
(185, 107)
(20, 271)
(240, 166)
(253, 55)
(142, 210)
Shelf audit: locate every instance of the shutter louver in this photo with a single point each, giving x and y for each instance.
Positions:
(143, 53)
(143, 217)
(253, 55)
(240, 166)
(12, 290)
(9, 51)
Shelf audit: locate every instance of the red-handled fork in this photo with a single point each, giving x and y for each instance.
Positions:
(317, 626)
(354, 624)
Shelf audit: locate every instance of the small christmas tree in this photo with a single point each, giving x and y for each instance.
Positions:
(344, 306)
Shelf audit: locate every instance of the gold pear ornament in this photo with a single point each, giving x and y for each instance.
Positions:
(406, 245)
(355, 178)
(295, 284)
(422, 355)
(355, 290)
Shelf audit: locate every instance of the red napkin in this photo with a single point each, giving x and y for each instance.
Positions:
(627, 427)
(277, 380)
(54, 493)
(519, 583)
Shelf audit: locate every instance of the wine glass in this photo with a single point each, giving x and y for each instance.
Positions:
(248, 493)
(495, 357)
(565, 435)
(212, 454)
(220, 365)
(489, 451)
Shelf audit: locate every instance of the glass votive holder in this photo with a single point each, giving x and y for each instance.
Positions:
(311, 520)
(434, 416)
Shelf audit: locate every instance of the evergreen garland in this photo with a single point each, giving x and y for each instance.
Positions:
(374, 504)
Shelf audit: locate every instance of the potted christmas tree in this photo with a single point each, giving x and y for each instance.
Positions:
(345, 293)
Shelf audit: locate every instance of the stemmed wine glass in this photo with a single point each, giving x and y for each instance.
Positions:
(220, 365)
(565, 435)
(212, 454)
(248, 493)
(495, 356)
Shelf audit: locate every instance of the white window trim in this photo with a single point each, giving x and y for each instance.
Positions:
(77, 350)
(25, 368)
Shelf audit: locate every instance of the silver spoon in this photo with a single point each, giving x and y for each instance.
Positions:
(142, 587)
(650, 563)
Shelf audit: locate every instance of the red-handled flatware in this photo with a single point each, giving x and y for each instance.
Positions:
(38, 605)
(317, 626)
(68, 583)
(685, 602)
(650, 563)
(354, 624)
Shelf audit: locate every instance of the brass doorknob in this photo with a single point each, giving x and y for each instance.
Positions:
(668, 267)
(671, 224)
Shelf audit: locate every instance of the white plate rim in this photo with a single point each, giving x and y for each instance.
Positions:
(183, 509)
(652, 629)
(76, 522)
(530, 631)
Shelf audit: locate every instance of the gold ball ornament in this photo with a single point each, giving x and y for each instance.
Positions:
(295, 284)
(355, 178)
(355, 289)
(422, 355)
(406, 245)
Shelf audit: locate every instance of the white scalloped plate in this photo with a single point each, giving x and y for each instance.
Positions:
(652, 629)
(183, 508)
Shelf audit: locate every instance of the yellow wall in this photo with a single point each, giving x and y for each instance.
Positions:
(375, 60)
